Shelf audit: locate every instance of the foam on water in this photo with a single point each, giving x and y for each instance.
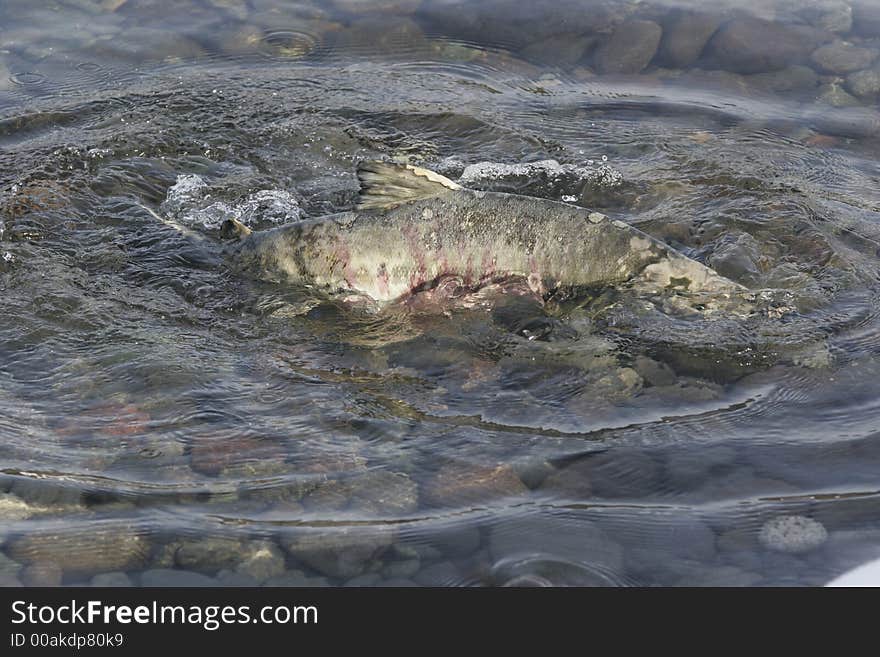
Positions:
(191, 202)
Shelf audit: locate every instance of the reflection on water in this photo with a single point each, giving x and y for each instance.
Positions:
(166, 421)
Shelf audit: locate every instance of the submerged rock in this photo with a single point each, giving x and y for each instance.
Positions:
(684, 38)
(457, 484)
(116, 579)
(864, 84)
(565, 539)
(491, 22)
(42, 574)
(166, 577)
(792, 534)
(630, 48)
(340, 551)
(14, 508)
(565, 50)
(209, 554)
(793, 78)
(751, 45)
(261, 560)
(297, 579)
(738, 257)
(832, 15)
(212, 455)
(842, 57)
(82, 551)
(866, 18)
(378, 492)
(835, 95)
(720, 576)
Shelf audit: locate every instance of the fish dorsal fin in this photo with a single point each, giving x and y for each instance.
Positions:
(385, 184)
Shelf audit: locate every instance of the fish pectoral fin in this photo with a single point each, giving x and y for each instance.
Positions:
(385, 184)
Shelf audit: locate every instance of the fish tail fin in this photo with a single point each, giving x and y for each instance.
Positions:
(385, 184)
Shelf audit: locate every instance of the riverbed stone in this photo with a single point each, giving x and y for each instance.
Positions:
(14, 508)
(716, 576)
(373, 7)
(406, 568)
(491, 22)
(261, 560)
(377, 492)
(792, 534)
(233, 578)
(866, 18)
(107, 580)
(685, 35)
(9, 567)
(793, 78)
(621, 473)
(42, 574)
(213, 455)
(167, 577)
(573, 540)
(653, 372)
(209, 554)
(8, 581)
(832, 15)
(738, 257)
(629, 49)
(384, 492)
(49, 495)
(864, 84)
(343, 552)
(367, 579)
(458, 483)
(443, 573)
(752, 45)
(83, 551)
(840, 57)
(571, 481)
(831, 93)
(564, 50)
(687, 469)
(297, 579)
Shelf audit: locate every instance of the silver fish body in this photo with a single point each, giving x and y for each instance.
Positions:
(477, 237)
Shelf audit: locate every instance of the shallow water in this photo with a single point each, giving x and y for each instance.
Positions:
(164, 420)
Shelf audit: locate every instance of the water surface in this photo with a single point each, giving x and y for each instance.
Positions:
(164, 420)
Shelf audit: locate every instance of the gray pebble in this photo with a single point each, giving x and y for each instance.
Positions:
(792, 534)
(369, 579)
(864, 84)
(116, 579)
(210, 554)
(752, 45)
(565, 50)
(397, 582)
(569, 539)
(841, 57)
(721, 576)
(684, 38)
(397, 569)
(630, 48)
(230, 578)
(166, 577)
(342, 552)
(444, 573)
